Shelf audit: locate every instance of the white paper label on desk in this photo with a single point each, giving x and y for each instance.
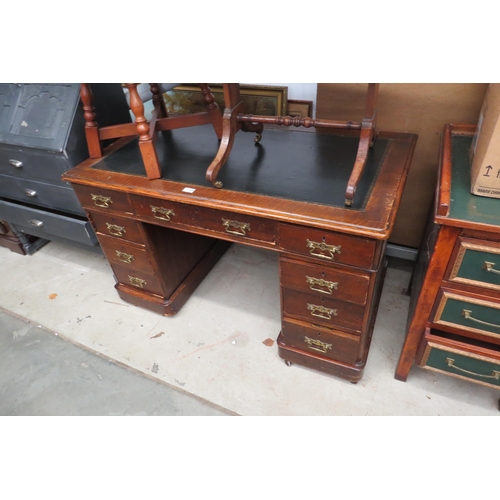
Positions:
(189, 190)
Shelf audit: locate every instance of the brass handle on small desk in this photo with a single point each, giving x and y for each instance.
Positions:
(115, 230)
(316, 247)
(101, 201)
(164, 213)
(240, 227)
(124, 257)
(137, 282)
(36, 223)
(468, 315)
(495, 374)
(329, 285)
(317, 345)
(30, 192)
(489, 267)
(321, 312)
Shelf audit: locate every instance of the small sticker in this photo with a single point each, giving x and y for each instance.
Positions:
(188, 190)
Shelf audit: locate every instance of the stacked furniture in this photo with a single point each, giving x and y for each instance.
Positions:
(42, 135)
(454, 318)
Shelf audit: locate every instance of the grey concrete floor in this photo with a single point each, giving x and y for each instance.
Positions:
(42, 374)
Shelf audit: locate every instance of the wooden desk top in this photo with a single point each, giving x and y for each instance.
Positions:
(296, 176)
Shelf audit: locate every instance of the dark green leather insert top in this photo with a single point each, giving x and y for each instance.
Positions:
(296, 165)
(466, 366)
(471, 315)
(475, 265)
(464, 205)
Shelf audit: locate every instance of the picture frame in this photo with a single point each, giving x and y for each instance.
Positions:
(268, 100)
(300, 108)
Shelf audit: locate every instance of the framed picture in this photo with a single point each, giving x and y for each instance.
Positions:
(266, 100)
(302, 109)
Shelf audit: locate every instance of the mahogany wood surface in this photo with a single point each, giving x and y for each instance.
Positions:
(171, 232)
(438, 257)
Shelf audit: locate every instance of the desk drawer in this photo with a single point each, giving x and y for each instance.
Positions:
(45, 224)
(137, 279)
(124, 254)
(105, 199)
(476, 263)
(462, 360)
(322, 311)
(239, 226)
(468, 313)
(163, 212)
(119, 227)
(331, 344)
(325, 281)
(34, 164)
(327, 246)
(37, 193)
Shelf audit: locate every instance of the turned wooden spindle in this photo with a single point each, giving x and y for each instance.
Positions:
(212, 108)
(158, 101)
(296, 121)
(137, 107)
(146, 145)
(91, 125)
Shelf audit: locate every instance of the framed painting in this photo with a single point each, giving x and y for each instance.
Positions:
(265, 100)
(302, 109)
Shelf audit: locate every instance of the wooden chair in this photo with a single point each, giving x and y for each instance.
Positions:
(234, 120)
(146, 130)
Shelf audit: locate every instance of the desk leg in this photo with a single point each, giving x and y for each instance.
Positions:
(427, 294)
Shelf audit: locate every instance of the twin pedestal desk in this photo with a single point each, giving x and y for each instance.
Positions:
(162, 237)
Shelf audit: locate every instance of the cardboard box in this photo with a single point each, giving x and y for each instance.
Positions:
(485, 147)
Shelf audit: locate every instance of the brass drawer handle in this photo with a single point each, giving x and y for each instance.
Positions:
(36, 223)
(16, 163)
(124, 257)
(115, 230)
(30, 192)
(101, 201)
(329, 285)
(468, 315)
(137, 282)
(489, 267)
(319, 249)
(162, 213)
(321, 312)
(317, 345)
(495, 374)
(240, 228)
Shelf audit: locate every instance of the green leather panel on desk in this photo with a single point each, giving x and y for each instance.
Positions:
(465, 205)
(453, 313)
(465, 366)
(472, 267)
(296, 165)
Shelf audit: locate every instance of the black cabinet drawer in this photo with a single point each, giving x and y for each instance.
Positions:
(47, 224)
(27, 163)
(40, 194)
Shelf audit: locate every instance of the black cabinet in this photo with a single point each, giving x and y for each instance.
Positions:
(42, 135)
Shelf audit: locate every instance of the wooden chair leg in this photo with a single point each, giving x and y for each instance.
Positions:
(158, 100)
(366, 139)
(91, 125)
(212, 109)
(230, 127)
(146, 144)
